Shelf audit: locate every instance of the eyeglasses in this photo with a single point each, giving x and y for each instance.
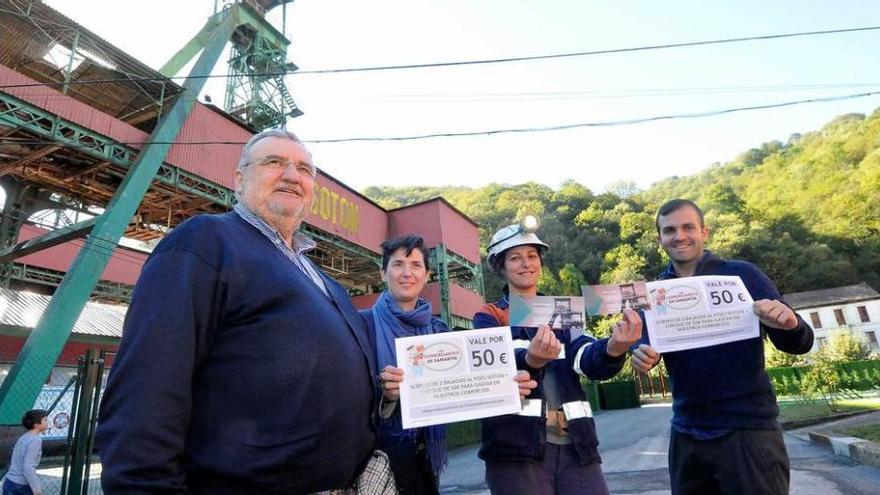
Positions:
(278, 163)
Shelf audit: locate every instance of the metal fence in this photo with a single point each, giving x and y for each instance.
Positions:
(654, 384)
(69, 466)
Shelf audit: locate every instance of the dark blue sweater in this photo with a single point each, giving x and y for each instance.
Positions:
(725, 386)
(235, 374)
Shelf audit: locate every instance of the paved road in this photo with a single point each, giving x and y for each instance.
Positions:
(634, 443)
(50, 478)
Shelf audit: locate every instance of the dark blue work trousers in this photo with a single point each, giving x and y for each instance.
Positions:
(560, 473)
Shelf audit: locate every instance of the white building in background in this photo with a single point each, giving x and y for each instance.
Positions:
(853, 308)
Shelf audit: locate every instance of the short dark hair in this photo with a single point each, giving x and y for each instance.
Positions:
(497, 262)
(677, 204)
(33, 418)
(409, 242)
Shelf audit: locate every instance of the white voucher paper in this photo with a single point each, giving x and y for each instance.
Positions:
(457, 376)
(694, 312)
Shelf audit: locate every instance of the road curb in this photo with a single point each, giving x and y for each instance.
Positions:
(801, 423)
(857, 449)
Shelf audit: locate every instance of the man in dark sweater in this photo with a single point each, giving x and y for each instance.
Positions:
(725, 438)
(243, 368)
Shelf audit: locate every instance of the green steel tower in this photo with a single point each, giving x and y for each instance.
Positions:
(255, 90)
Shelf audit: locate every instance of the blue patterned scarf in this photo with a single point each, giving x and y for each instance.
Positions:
(392, 322)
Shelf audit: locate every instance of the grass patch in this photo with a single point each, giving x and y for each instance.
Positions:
(793, 411)
(462, 433)
(868, 432)
(645, 399)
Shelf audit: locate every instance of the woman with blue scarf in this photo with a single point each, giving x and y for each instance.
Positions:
(417, 455)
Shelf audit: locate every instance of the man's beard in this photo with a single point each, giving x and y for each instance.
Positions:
(295, 212)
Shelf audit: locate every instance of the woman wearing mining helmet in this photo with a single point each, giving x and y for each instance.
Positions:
(551, 446)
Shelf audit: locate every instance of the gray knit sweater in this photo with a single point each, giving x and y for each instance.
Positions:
(25, 459)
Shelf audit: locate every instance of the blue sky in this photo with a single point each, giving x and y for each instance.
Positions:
(349, 33)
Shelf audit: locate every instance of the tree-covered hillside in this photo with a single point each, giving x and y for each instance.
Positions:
(806, 211)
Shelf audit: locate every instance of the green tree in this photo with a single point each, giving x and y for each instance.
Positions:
(573, 195)
(821, 379)
(570, 280)
(623, 264)
(842, 347)
(548, 284)
(637, 228)
(774, 358)
(721, 198)
(807, 212)
(729, 233)
(622, 188)
(600, 326)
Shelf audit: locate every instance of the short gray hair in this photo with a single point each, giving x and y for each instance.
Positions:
(256, 138)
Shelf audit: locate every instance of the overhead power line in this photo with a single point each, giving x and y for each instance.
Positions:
(600, 94)
(591, 94)
(490, 132)
(376, 68)
(609, 123)
(592, 52)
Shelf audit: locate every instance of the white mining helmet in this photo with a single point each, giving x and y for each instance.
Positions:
(519, 234)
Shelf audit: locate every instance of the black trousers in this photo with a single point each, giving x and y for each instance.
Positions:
(752, 462)
(411, 468)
